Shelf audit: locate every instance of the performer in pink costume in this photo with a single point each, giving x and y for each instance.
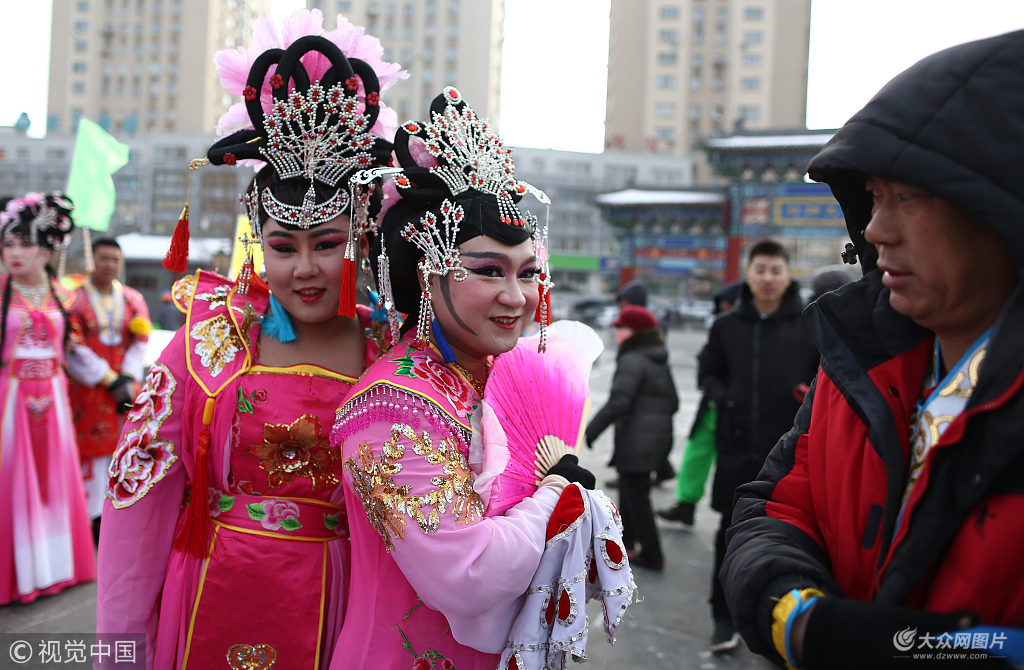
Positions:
(225, 534)
(435, 583)
(45, 534)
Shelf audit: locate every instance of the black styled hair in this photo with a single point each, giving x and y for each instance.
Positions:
(105, 242)
(46, 222)
(768, 248)
(424, 190)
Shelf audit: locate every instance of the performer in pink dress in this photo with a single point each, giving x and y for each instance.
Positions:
(45, 535)
(224, 538)
(435, 583)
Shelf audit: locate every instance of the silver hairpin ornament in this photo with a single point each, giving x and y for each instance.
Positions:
(440, 255)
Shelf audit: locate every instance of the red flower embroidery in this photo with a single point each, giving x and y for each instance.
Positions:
(373, 99)
(139, 462)
(229, 159)
(421, 664)
(260, 395)
(443, 380)
(352, 84)
(154, 401)
(249, 93)
(446, 665)
(277, 81)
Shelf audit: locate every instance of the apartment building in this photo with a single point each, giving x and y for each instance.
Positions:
(680, 70)
(440, 42)
(142, 66)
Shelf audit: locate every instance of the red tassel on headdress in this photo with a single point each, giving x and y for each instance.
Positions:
(543, 313)
(197, 530)
(176, 259)
(257, 286)
(347, 304)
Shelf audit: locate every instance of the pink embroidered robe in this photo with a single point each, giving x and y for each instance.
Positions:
(432, 578)
(275, 584)
(45, 534)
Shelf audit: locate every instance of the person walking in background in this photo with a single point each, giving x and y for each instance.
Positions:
(756, 366)
(634, 293)
(700, 451)
(106, 368)
(642, 401)
(45, 543)
(891, 516)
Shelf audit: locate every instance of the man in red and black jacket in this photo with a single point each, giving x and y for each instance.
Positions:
(888, 524)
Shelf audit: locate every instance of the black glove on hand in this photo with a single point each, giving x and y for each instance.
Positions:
(123, 390)
(569, 467)
(848, 634)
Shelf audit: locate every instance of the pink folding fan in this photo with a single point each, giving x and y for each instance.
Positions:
(542, 402)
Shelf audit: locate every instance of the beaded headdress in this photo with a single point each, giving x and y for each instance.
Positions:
(455, 180)
(314, 113)
(44, 218)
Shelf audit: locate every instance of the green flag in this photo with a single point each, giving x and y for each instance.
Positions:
(97, 157)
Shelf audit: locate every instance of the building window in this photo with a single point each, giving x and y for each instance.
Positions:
(451, 53)
(451, 77)
(78, 66)
(54, 154)
(698, 14)
(407, 54)
(696, 82)
(667, 58)
(665, 110)
(172, 68)
(173, 47)
(717, 113)
(720, 15)
(428, 54)
(431, 7)
(753, 13)
(156, 27)
(752, 36)
(105, 88)
(719, 60)
(669, 12)
(750, 83)
(665, 134)
(453, 30)
(428, 76)
(53, 122)
(78, 87)
(669, 36)
(718, 83)
(81, 26)
(695, 113)
(578, 169)
(154, 69)
(409, 9)
(750, 112)
(698, 61)
(751, 60)
(429, 30)
(719, 36)
(81, 47)
(344, 7)
(154, 48)
(453, 6)
(698, 36)
(390, 10)
(665, 81)
(176, 6)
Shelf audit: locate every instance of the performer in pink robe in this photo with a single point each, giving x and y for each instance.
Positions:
(435, 583)
(45, 535)
(224, 537)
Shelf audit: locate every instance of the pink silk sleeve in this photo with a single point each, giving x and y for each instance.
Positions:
(475, 570)
(144, 499)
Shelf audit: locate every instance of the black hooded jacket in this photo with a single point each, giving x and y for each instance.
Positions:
(823, 511)
(750, 368)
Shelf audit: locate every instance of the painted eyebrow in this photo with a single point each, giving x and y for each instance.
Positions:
(316, 233)
(493, 255)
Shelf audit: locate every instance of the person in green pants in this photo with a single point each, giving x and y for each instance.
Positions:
(700, 451)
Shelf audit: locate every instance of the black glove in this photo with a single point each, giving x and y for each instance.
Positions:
(569, 467)
(848, 634)
(123, 390)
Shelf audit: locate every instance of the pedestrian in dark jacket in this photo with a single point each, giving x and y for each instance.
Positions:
(756, 365)
(892, 515)
(642, 401)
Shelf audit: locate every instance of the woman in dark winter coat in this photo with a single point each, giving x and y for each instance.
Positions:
(642, 402)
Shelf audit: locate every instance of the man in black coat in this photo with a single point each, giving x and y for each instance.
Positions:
(758, 362)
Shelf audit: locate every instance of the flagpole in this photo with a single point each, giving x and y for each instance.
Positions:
(62, 263)
(89, 266)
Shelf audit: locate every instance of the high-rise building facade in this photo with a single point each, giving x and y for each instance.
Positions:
(142, 66)
(679, 70)
(440, 42)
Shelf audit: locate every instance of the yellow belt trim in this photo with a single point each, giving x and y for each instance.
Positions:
(780, 615)
(276, 536)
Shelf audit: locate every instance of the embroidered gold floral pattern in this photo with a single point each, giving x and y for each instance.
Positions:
(217, 343)
(219, 297)
(249, 657)
(182, 291)
(385, 502)
(298, 450)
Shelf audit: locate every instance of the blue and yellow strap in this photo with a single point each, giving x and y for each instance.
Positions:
(785, 612)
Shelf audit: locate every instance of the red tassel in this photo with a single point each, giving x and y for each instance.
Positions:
(197, 531)
(541, 316)
(176, 259)
(347, 305)
(257, 286)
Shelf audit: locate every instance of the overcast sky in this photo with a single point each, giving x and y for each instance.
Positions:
(556, 55)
